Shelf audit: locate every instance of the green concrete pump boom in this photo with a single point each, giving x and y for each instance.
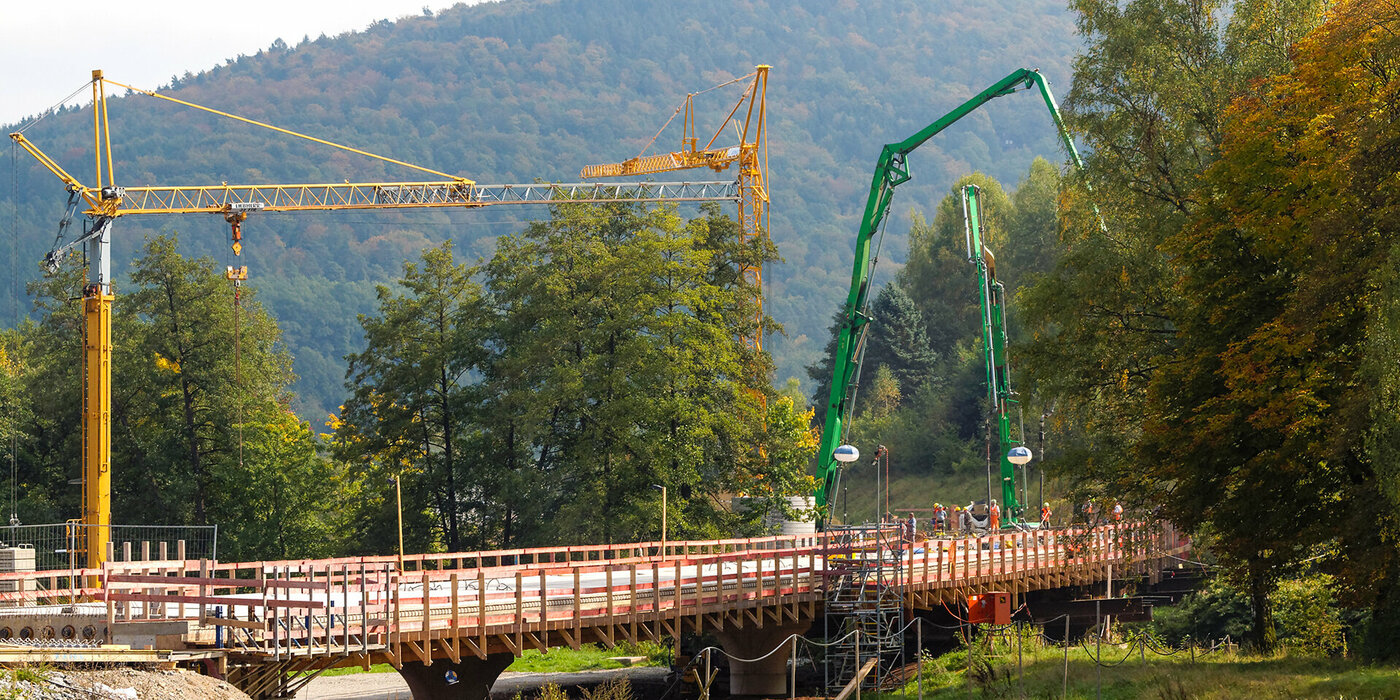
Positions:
(890, 172)
(993, 298)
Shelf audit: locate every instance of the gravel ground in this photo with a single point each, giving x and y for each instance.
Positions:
(390, 686)
(120, 684)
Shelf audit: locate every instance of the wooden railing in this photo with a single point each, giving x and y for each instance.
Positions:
(542, 597)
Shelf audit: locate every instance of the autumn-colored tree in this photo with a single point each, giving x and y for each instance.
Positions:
(1263, 425)
(1148, 98)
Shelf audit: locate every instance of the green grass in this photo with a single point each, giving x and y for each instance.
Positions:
(589, 657)
(1217, 676)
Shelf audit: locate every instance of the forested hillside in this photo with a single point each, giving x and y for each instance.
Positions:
(518, 91)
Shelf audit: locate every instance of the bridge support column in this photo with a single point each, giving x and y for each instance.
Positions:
(474, 677)
(767, 676)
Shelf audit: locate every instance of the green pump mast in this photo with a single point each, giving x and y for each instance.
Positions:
(999, 392)
(890, 172)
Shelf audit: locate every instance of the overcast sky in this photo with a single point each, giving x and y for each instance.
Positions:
(49, 50)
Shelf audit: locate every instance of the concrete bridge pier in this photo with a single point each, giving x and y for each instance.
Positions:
(474, 677)
(769, 675)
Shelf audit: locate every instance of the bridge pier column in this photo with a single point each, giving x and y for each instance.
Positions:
(767, 676)
(474, 677)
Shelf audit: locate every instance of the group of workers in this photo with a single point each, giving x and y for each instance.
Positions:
(960, 519)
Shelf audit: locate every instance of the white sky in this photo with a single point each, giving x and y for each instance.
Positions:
(49, 50)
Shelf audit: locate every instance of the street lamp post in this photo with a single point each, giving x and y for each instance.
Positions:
(847, 454)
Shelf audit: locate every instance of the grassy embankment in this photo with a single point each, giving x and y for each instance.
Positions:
(1134, 672)
(589, 657)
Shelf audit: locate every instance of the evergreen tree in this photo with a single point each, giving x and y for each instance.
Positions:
(899, 340)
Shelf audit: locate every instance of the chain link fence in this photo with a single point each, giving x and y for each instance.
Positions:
(64, 545)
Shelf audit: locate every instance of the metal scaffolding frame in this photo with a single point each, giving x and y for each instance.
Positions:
(865, 611)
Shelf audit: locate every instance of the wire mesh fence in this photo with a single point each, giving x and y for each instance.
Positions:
(64, 545)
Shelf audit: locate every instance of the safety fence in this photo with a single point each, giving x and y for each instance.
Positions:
(56, 546)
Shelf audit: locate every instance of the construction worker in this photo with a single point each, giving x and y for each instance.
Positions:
(940, 518)
(1045, 514)
(1117, 511)
(913, 527)
(1089, 512)
(994, 517)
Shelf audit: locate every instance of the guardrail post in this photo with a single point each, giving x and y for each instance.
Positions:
(544, 609)
(481, 606)
(456, 617)
(427, 612)
(519, 612)
(632, 597)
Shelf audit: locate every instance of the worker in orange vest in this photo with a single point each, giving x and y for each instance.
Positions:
(1117, 512)
(995, 517)
(1045, 515)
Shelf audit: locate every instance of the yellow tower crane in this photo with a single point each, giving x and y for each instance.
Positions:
(106, 202)
(750, 152)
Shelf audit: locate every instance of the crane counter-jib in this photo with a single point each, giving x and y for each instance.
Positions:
(890, 172)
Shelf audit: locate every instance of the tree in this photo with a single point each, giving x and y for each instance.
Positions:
(1264, 411)
(620, 363)
(194, 361)
(899, 340)
(938, 277)
(413, 411)
(1033, 229)
(285, 504)
(1148, 100)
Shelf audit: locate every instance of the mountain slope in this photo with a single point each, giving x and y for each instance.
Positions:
(519, 91)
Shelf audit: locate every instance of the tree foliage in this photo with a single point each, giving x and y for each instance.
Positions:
(604, 352)
(1267, 400)
(201, 432)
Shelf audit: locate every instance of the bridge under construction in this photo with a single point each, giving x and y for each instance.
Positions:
(451, 623)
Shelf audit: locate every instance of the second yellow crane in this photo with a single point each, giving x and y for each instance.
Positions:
(751, 153)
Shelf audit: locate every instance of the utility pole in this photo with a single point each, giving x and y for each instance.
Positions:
(398, 501)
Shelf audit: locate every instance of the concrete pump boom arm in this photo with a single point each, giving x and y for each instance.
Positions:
(890, 172)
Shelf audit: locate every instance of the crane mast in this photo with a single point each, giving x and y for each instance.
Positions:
(106, 202)
(890, 172)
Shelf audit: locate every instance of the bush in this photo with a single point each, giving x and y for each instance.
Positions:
(1306, 616)
(1214, 612)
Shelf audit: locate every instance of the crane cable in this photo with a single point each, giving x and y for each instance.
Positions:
(234, 276)
(238, 362)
